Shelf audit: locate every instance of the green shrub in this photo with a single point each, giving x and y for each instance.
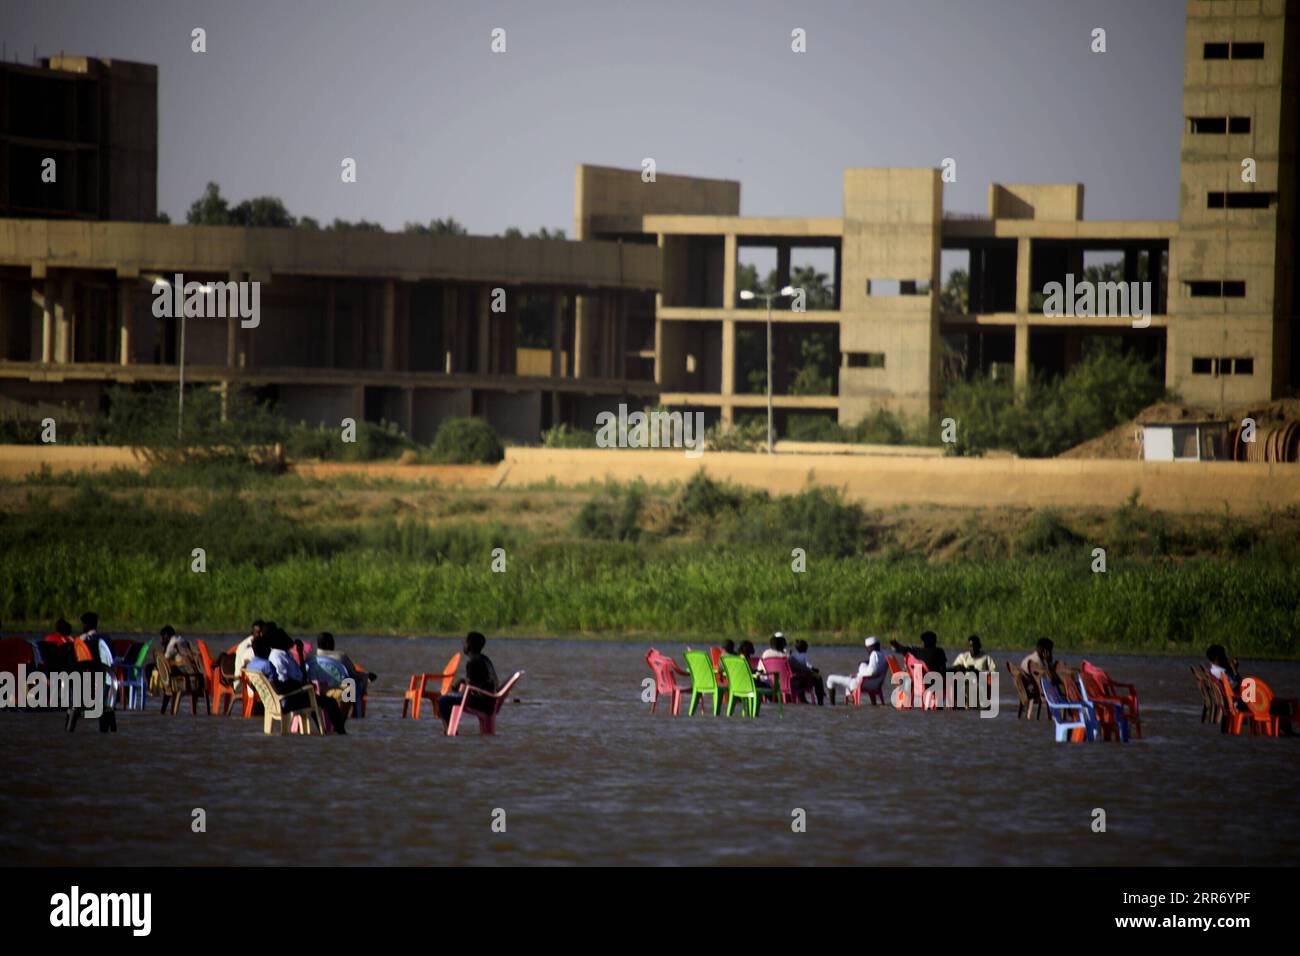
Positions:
(705, 498)
(467, 441)
(612, 515)
(1045, 533)
(880, 427)
(567, 436)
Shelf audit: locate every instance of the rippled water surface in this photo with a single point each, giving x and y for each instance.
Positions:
(585, 774)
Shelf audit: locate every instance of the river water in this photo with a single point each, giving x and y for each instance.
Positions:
(581, 772)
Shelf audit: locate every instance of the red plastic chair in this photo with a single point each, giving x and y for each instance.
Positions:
(1233, 719)
(900, 703)
(665, 670)
(874, 694)
(1126, 694)
(487, 719)
(419, 689)
(917, 670)
(15, 651)
(779, 667)
(223, 684)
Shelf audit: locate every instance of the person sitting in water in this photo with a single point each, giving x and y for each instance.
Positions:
(746, 650)
(806, 676)
(929, 653)
(271, 657)
(870, 676)
(1221, 666)
(178, 652)
(62, 633)
(974, 658)
(96, 643)
(336, 668)
(244, 649)
(728, 646)
(477, 672)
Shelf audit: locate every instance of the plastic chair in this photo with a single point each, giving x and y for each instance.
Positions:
(778, 668)
(741, 687)
(1209, 703)
(1027, 691)
(666, 670)
(1072, 720)
(703, 681)
(1126, 694)
(1258, 698)
(294, 710)
(419, 689)
(208, 666)
(132, 688)
(917, 670)
(1108, 712)
(875, 692)
(15, 651)
(487, 719)
(173, 685)
(222, 683)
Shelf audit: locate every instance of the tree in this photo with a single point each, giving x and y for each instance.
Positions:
(954, 297)
(210, 209)
(263, 212)
(361, 225)
(816, 286)
(514, 232)
(436, 227)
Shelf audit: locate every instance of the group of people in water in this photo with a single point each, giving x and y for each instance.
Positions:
(872, 671)
(289, 665)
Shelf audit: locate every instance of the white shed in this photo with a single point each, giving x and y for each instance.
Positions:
(1185, 441)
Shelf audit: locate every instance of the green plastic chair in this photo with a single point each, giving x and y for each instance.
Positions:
(703, 681)
(741, 686)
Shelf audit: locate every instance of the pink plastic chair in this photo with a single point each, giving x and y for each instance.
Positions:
(779, 667)
(665, 670)
(918, 670)
(487, 720)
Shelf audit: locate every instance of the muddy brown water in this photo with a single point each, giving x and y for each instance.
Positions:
(585, 774)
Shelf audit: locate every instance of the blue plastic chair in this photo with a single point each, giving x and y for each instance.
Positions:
(1118, 708)
(1062, 711)
(131, 677)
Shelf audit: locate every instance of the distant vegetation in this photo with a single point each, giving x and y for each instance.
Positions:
(704, 559)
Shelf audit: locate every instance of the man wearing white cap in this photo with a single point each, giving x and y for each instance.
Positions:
(870, 676)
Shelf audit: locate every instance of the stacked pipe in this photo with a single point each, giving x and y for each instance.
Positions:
(1280, 443)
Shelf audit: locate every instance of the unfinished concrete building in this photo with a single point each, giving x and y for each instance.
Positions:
(644, 306)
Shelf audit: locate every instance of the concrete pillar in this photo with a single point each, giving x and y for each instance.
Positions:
(125, 314)
(782, 265)
(449, 326)
(389, 325)
(63, 322)
(1022, 356)
(1024, 275)
(729, 254)
(47, 320)
(557, 335)
(728, 359)
(484, 330)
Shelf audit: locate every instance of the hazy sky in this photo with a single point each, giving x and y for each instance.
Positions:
(439, 125)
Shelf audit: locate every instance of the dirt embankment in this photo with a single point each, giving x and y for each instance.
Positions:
(1124, 441)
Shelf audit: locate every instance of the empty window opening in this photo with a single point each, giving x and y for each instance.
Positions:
(1239, 200)
(1203, 125)
(1223, 366)
(864, 359)
(889, 287)
(1216, 51)
(1215, 288)
(1248, 51)
(1238, 124)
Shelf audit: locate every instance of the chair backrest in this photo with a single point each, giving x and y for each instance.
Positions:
(701, 667)
(1051, 694)
(740, 680)
(1069, 683)
(450, 671)
(662, 666)
(81, 650)
(163, 667)
(500, 697)
(1020, 679)
(265, 692)
(715, 655)
(333, 671)
(145, 649)
(777, 667)
(1091, 687)
(1220, 693)
(892, 663)
(1105, 685)
(226, 666)
(1257, 696)
(124, 649)
(15, 651)
(206, 656)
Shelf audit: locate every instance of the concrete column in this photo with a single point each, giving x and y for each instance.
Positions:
(582, 336)
(729, 254)
(728, 359)
(1024, 276)
(484, 330)
(1022, 356)
(47, 320)
(557, 336)
(449, 326)
(389, 325)
(782, 265)
(125, 314)
(63, 322)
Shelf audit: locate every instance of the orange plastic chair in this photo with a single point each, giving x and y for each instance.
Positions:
(209, 676)
(1233, 719)
(1126, 694)
(419, 689)
(900, 703)
(1258, 698)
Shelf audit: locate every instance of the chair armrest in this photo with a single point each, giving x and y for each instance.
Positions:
(468, 689)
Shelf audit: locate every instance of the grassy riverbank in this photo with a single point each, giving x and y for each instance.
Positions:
(703, 561)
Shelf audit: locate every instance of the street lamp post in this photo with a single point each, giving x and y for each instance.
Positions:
(747, 295)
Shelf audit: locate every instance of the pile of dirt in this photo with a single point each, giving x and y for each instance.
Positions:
(1124, 441)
